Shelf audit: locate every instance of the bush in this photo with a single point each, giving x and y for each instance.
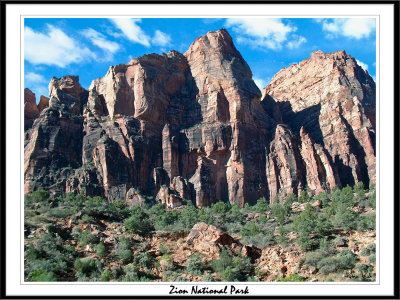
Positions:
(345, 218)
(86, 265)
(261, 206)
(208, 278)
(224, 261)
(131, 272)
(37, 197)
(313, 258)
(372, 200)
(41, 275)
(304, 197)
(324, 226)
(106, 275)
(250, 229)
(293, 278)
(137, 224)
(261, 240)
(230, 274)
(366, 223)
(368, 250)
(279, 213)
(323, 197)
(372, 258)
(220, 208)
(144, 260)
(125, 255)
(100, 250)
(117, 210)
(304, 223)
(86, 238)
(194, 265)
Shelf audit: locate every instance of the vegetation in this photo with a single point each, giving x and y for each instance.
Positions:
(66, 240)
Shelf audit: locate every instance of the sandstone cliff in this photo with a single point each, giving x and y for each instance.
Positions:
(195, 126)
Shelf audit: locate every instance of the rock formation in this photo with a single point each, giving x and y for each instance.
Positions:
(330, 100)
(194, 126)
(31, 111)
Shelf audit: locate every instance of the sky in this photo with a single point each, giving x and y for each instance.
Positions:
(88, 47)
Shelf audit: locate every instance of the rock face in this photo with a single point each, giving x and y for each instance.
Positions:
(329, 102)
(55, 142)
(31, 111)
(43, 103)
(194, 126)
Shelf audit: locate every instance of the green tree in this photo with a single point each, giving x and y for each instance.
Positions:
(261, 206)
(279, 213)
(304, 224)
(100, 250)
(194, 265)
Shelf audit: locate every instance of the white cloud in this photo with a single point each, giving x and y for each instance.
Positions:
(53, 48)
(351, 27)
(270, 33)
(132, 31)
(161, 39)
(296, 42)
(32, 77)
(260, 83)
(100, 40)
(362, 65)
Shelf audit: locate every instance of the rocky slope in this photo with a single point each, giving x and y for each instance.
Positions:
(195, 126)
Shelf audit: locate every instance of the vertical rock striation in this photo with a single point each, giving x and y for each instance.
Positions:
(194, 126)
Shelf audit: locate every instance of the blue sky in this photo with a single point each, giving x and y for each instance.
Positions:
(88, 47)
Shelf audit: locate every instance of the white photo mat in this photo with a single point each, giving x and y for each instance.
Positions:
(15, 15)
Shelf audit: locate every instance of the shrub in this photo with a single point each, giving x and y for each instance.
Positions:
(261, 206)
(372, 258)
(87, 219)
(138, 225)
(86, 238)
(313, 258)
(144, 260)
(117, 210)
(41, 275)
(304, 224)
(189, 216)
(224, 261)
(366, 223)
(194, 265)
(324, 226)
(340, 241)
(125, 255)
(131, 272)
(250, 229)
(287, 205)
(372, 200)
(279, 213)
(368, 250)
(304, 197)
(230, 274)
(261, 240)
(293, 278)
(100, 250)
(37, 197)
(106, 275)
(343, 261)
(60, 212)
(220, 208)
(209, 278)
(345, 218)
(323, 197)
(85, 265)
(282, 238)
